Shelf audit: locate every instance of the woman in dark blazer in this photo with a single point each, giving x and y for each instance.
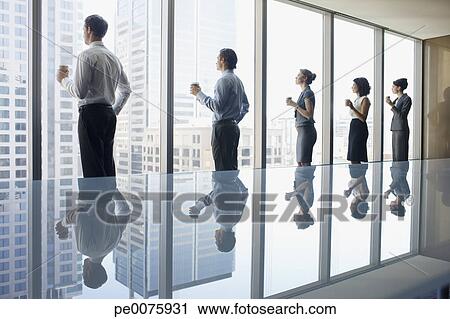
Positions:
(399, 126)
(304, 118)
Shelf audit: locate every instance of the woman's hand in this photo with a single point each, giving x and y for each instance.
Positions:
(290, 102)
(388, 101)
(349, 103)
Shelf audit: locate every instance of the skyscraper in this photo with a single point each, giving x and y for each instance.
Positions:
(13, 148)
(61, 42)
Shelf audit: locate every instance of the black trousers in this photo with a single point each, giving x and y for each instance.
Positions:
(225, 142)
(96, 129)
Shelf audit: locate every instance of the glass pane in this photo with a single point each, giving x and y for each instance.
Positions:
(398, 63)
(351, 224)
(212, 253)
(15, 154)
(127, 248)
(133, 35)
(292, 244)
(202, 28)
(400, 194)
(353, 58)
(285, 57)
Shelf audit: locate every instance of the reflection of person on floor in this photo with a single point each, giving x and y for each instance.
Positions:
(304, 193)
(399, 187)
(97, 230)
(439, 130)
(228, 199)
(438, 175)
(357, 187)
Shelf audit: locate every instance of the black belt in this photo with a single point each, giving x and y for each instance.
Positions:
(82, 107)
(225, 122)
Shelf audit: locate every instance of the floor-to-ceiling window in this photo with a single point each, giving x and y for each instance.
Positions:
(398, 63)
(353, 58)
(294, 42)
(202, 28)
(134, 36)
(14, 150)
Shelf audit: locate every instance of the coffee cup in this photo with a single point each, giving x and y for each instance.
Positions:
(64, 68)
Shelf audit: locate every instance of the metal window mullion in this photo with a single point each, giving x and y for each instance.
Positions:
(378, 153)
(378, 106)
(325, 218)
(167, 85)
(165, 276)
(35, 190)
(377, 213)
(325, 212)
(416, 168)
(260, 93)
(418, 109)
(328, 88)
(258, 234)
(260, 142)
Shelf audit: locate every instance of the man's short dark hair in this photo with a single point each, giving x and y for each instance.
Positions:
(227, 242)
(230, 58)
(97, 24)
(96, 277)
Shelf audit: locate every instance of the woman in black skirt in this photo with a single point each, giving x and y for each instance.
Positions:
(359, 133)
(304, 118)
(399, 125)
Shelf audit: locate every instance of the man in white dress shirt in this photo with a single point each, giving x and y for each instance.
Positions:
(98, 75)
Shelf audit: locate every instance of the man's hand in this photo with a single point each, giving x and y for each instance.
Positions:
(194, 211)
(195, 89)
(61, 75)
(347, 193)
(61, 231)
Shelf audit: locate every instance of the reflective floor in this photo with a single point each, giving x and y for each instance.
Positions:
(248, 234)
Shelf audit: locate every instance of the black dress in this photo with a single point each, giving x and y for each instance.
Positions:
(357, 137)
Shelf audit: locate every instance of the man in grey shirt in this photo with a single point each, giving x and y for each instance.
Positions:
(229, 106)
(98, 75)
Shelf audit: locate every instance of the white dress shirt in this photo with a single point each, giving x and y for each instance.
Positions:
(97, 76)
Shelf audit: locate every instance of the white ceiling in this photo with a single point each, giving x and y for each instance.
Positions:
(432, 17)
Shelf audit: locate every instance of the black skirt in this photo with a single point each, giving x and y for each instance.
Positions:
(400, 145)
(357, 141)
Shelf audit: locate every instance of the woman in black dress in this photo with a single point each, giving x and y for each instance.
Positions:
(304, 118)
(399, 126)
(359, 133)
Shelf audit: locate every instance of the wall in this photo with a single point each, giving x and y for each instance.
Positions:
(436, 138)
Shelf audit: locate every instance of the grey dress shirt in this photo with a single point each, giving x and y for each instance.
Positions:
(98, 75)
(307, 94)
(401, 110)
(230, 101)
